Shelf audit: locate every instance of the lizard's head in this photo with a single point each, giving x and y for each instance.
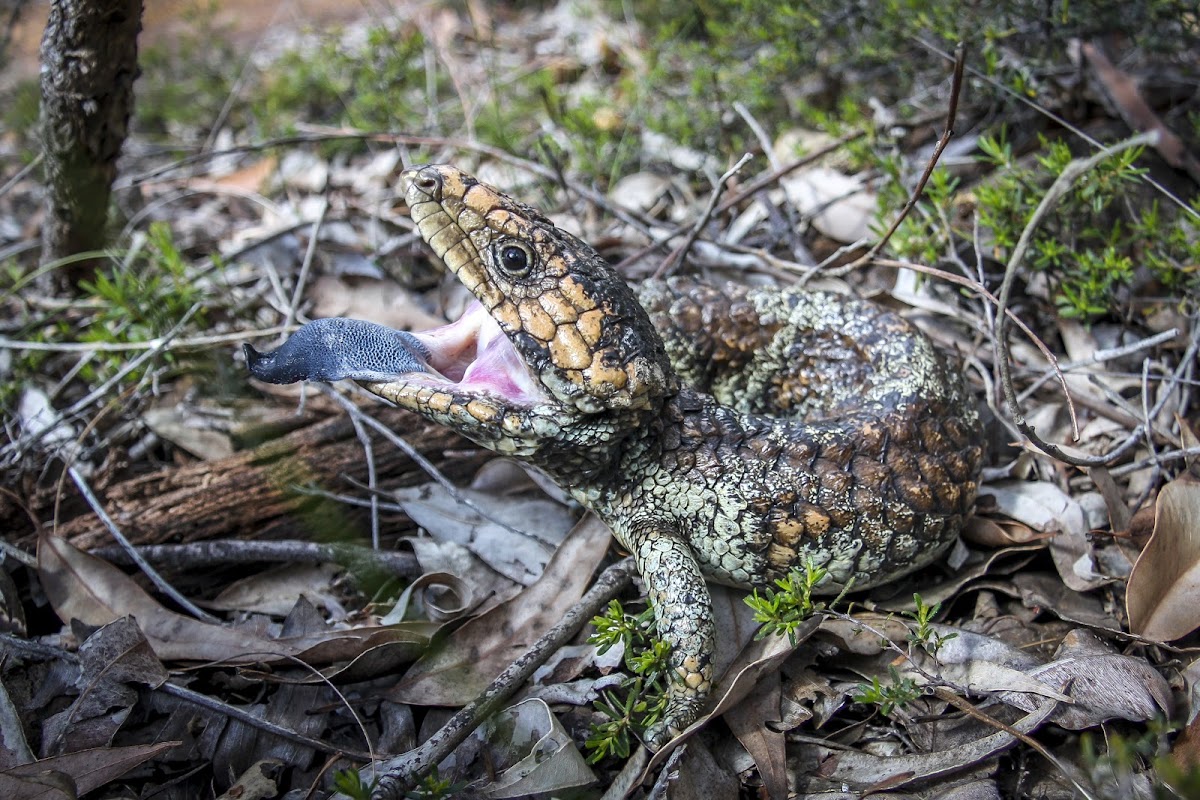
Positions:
(556, 352)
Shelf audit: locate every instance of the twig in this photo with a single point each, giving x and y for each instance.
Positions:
(372, 483)
(1101, 356)
(256, 721)
(1062, 184)
(143, 565)
(751, 189)
(302, 278)
(760, 133)
(425, 464)
(161, 343)
(1171, 455)
(199, 555)
(676, 258)
(1058, 120)
(960, 60)
(771, 178)
(987, 719)
(398, 774)
(21, 173)
(121, 347)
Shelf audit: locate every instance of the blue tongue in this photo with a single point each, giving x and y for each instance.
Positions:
(336, 348)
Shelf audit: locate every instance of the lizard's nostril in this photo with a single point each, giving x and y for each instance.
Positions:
(429, 181)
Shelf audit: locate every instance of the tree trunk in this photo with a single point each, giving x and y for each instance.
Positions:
(89, 63)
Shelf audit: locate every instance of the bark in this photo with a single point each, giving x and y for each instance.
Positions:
(89, 63)
(251, 494)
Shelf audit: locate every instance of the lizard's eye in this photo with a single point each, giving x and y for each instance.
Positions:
(514, 258)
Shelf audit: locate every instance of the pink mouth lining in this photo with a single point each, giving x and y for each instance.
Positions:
(475, 356)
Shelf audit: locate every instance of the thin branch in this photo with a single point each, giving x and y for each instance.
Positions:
(1053, 196)
(751, 189)
(372, 477)
(302, 278)
(143, 565)
(1099, 357)
(425, 464)
(397, 775)
(960, 60)
(122, 347)
(676, 258)
(216, 552)
(256, 721)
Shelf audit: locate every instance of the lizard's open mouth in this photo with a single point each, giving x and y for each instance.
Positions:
(469, 357)
(472, 356)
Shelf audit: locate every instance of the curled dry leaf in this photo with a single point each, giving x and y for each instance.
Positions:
(1164, 587)
(476, 653)
(1048, 509)
(1000, 533)
(488, 588)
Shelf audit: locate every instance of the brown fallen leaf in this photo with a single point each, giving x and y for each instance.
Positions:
(1102, 684)
(83, 587)
(110, 659)
(86, 769)
(1123, 91)
(860, 770)
(252, 178)
(750, 722)
(1164, 587)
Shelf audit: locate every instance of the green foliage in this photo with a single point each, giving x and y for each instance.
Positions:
(370, 88)
(704, 56)
(890, 696)
(780, 612)
(1112, 761)
(21, 106)
(139, 299)
(925, 636)
(186, 83)
(1089, 244)
(433, 787)
(642, 698)
(350, 783)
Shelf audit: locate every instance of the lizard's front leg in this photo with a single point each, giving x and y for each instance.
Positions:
(684, 618)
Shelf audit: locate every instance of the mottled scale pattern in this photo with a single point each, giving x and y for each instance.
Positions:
(723, 433)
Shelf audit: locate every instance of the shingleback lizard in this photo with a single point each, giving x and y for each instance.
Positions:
(726, 434)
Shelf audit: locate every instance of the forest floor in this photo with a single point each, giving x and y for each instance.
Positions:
(320, 593)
